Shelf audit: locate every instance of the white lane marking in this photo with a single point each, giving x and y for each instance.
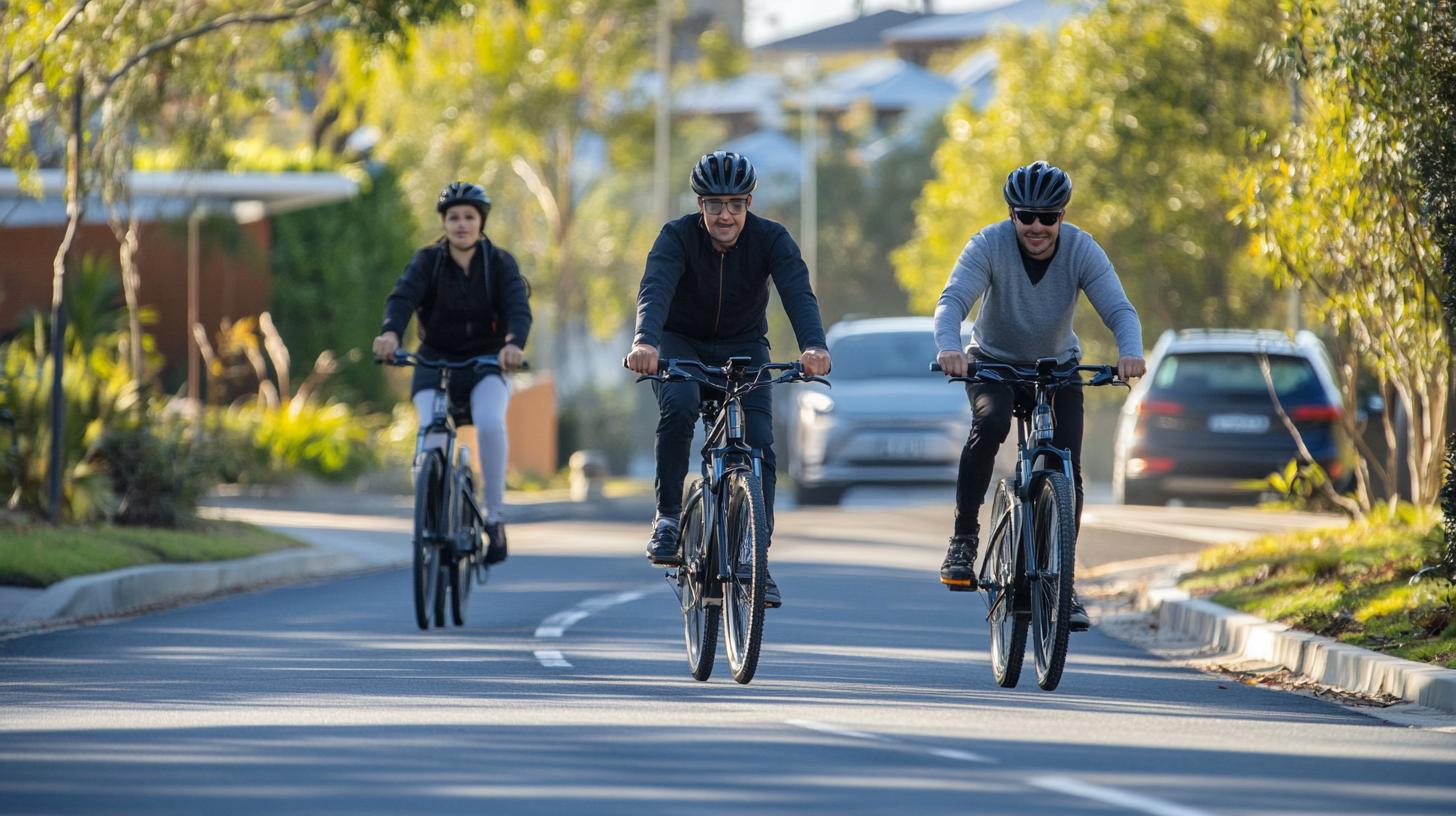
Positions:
(963, 756)
(1113, 796)
(825, 728)
(834, 730)
(556, 625)
(552, 658)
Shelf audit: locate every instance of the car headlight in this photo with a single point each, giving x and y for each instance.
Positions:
(816, 404)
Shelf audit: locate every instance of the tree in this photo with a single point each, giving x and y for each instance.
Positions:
(534, 100)
(1145, 104)
(1337, 202)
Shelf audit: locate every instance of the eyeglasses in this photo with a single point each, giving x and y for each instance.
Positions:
(714, 206)
(1046, 218)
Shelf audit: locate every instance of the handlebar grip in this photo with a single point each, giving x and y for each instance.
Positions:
(935, 368)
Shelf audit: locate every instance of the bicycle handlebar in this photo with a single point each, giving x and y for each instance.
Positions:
(678, 370)
(405, 358)
(984, 372)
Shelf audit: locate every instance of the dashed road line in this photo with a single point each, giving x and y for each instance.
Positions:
(1113, 796)
(555, 626)
(834, 730)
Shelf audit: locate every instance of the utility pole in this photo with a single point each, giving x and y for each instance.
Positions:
(809, 171)
(661, 191)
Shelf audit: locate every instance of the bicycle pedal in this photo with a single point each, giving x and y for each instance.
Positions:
(961, 585)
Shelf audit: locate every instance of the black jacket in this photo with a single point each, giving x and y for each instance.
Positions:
(461, 316)
(692, 289)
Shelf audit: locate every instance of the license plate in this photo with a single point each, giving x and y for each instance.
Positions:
(1238, 423)
(900, 447)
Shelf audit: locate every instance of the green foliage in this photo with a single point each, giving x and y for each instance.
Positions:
(40, 556)
(1351, 583)
(605, 419)
(158, 471)
(100, 393)
(1145, 103)
(333, 266)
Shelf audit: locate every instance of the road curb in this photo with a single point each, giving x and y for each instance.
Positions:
(1313, 656)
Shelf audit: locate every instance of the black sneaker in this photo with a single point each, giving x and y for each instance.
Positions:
(958, 570)
(771, 597)
(495, 550)
(662, 549)
(1077, 620)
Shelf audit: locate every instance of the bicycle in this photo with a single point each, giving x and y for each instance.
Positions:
(448, 524)
(724, 523)
(1026, 574)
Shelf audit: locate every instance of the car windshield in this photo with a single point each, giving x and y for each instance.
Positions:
(1236, 374)
(874, 356)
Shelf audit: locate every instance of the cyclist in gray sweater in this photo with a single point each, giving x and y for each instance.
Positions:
(1027, 272)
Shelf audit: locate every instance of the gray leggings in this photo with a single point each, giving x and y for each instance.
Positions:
(488, 401)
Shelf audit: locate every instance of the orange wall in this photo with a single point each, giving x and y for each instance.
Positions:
(232, 285)
(531, 423)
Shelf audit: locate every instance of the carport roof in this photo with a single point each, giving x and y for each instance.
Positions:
(166, 196)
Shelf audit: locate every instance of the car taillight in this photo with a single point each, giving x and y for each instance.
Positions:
(1315, 413)
(1148, 465)
(1153, 407)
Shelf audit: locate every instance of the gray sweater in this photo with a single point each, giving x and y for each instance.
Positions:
(1021, 322)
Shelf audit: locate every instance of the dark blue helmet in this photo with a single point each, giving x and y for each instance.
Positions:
(1038, 186)
(724, 172)
(463, 192)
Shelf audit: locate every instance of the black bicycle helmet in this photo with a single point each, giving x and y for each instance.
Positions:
(724, 172)
(463, 192)
(1038, 186)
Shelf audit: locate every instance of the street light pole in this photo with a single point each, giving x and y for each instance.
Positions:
(809, 173)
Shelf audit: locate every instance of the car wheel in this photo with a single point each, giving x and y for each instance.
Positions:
(818, 494)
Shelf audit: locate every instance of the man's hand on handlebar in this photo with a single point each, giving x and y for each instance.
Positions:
(815, 361)
(642, 359)
(385, 345)
(1130, 368)
(953, 363)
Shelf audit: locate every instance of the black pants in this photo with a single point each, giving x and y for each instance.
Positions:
(678, 410)
(991, 420)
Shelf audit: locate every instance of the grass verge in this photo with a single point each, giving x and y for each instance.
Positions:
(41, 555)
(1350, 583)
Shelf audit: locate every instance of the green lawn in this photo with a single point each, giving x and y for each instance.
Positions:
(1350, 583)
(40, 555)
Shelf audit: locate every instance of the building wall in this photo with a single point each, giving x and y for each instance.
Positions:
(234, 279)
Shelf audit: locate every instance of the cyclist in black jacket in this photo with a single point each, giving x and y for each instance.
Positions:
(471, 300)
(704, 296)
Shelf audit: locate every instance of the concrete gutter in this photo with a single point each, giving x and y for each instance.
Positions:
(1318, 658)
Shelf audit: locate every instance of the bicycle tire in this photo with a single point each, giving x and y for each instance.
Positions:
(999, 570)
(700, 621)
(1055, 550)
(462, 566)
(424, 575)
(746, 534)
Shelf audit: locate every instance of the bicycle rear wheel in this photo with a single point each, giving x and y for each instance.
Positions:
(746, 537)
(999, 573)
(426, 570)
(700, 621)
(1054, 554)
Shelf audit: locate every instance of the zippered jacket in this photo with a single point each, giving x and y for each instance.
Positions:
(461, 315)
(691, 289)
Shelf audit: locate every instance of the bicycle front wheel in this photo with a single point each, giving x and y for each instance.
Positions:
(426, 570)
(999, 575)
(746, 537)
(1054, 553)
(700, 621)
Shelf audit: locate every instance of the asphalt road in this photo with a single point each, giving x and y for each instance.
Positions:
(568, 691)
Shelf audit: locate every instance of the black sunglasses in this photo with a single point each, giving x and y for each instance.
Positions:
(1046, 218)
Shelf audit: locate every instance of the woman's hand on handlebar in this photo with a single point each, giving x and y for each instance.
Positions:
(385, 345)
(815, 361)
(642, 359)
(953, 363)
(511, 357)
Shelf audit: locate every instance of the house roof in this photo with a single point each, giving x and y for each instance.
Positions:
(861, 33)
(886, 84)
(160, 196)
(973, 25)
